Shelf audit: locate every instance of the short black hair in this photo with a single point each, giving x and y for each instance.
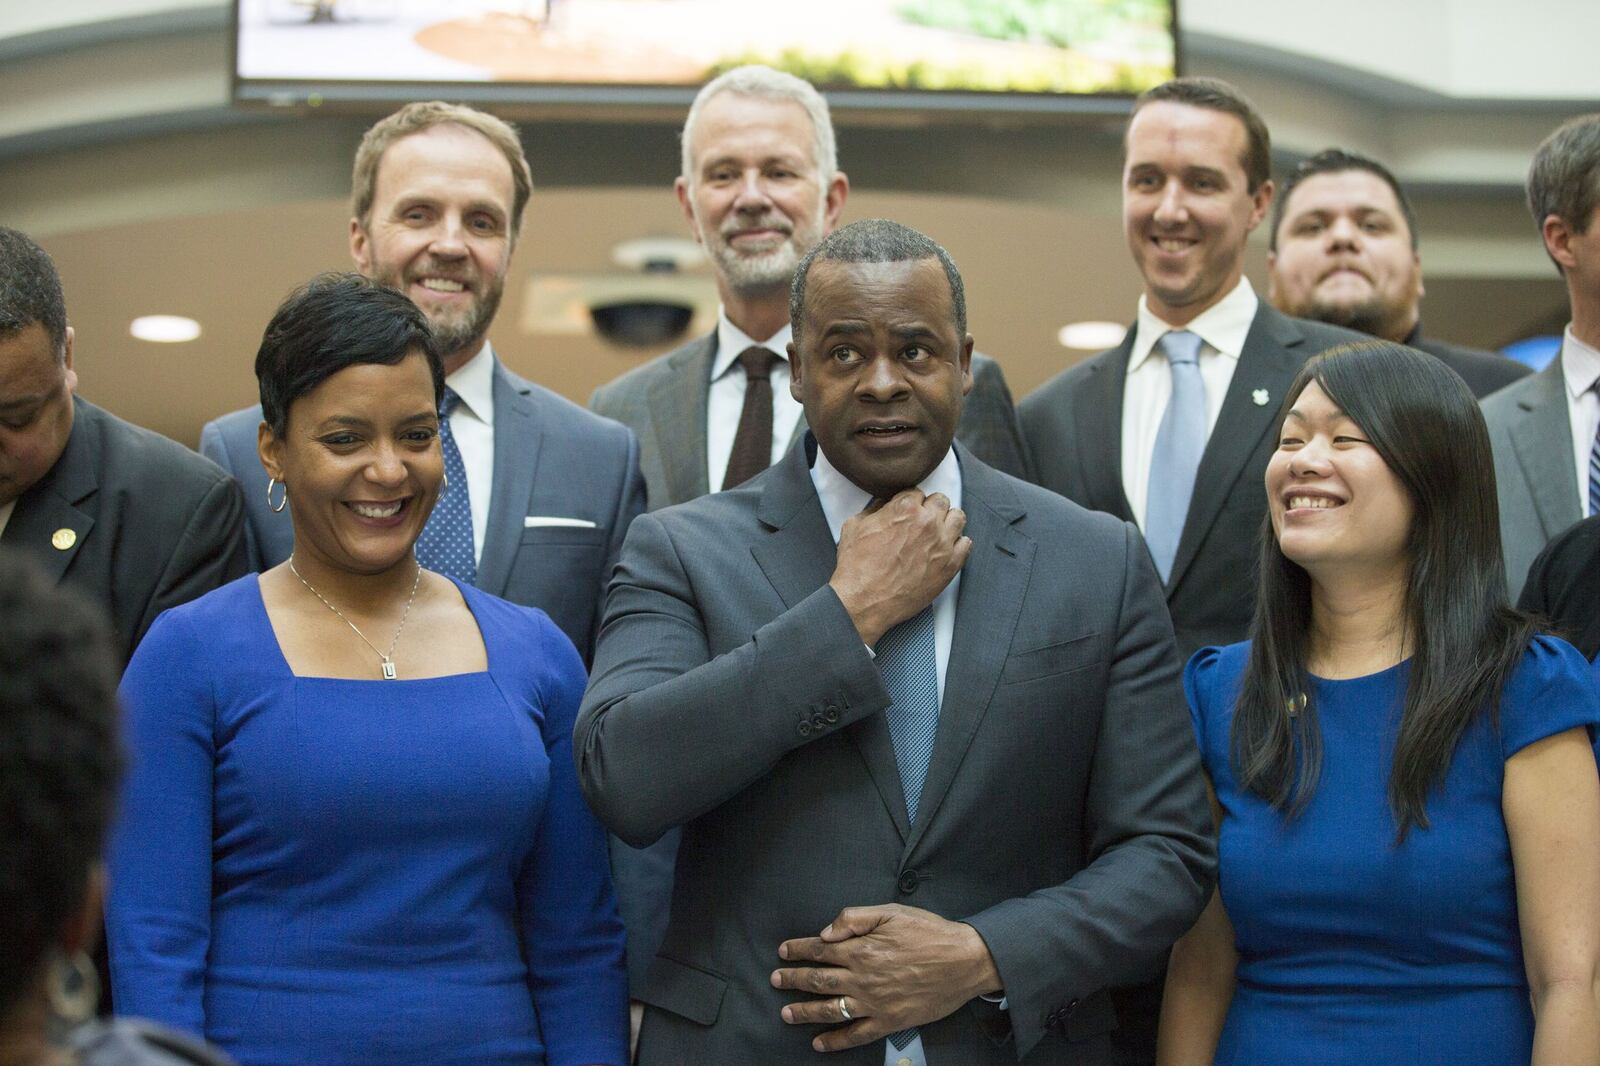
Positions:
(1337, 161)
(332, 322)
(877, 240)
(1564, 177)
(60, 761)
(1214, 94)
(30, 290)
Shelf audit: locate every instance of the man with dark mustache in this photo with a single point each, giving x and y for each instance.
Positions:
(919, 721)
(1343, 250)
(540, 491)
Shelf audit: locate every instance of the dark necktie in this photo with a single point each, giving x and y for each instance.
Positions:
(752, 443)
(1594, 467)
(446, 542)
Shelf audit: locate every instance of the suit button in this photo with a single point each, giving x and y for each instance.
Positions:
(908, 882)
(831, 713)
(804, 727)
(818, 722)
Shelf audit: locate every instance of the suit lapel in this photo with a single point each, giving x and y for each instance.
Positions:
(518, 436)
(1273, 353)
(798, 558)
(50, 507)
(993, 585)
(1098, 417)
(678, 400)
(1542, 437)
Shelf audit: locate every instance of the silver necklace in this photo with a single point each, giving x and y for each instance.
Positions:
(389, 673)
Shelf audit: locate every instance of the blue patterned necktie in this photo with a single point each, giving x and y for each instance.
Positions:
(1179, 443)
(446, 542)
(1594, 466)
(907, 661)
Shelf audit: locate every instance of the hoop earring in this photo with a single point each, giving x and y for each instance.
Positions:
(73, 988)
(444, 486)
(283, 501)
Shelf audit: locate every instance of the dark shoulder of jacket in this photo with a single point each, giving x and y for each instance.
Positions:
(135, 1042)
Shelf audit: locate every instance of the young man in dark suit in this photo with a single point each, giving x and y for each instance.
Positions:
(135, 521)
(1343, 246)
(919, 720)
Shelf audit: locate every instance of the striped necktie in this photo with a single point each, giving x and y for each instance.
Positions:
(1594, 463)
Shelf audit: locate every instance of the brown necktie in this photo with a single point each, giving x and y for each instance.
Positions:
(752, 443)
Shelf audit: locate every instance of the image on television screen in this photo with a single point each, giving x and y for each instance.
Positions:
(982, 46)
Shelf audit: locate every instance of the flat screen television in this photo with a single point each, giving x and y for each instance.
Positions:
(911, 55)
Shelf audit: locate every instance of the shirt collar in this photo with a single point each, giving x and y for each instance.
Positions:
(5, 514)
(1223, 326)
(840, 497)
(1580, 364)
(473, 381)
(731, 340)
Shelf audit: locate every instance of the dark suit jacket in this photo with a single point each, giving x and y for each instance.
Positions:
(1063, 815)
(551, 459)
(1484, 372)
(1530, 430)
(1564, 586)
(664, 402)
(1073, 426)
(135, 521)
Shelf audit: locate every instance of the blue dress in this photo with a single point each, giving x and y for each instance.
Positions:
(322, 871)
(1355, 951)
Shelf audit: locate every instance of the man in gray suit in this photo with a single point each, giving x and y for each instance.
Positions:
(540, 491)
(920, 721)
(1544, 428)
(1343, 242)
(760, 187)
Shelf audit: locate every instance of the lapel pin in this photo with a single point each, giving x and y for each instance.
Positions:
(62, 539)
(1260, 397)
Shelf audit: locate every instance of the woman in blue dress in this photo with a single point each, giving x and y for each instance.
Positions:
(352, 831)
(1407, 802)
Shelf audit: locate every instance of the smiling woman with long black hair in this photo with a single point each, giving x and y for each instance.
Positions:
(1408, 807)
(352, 832)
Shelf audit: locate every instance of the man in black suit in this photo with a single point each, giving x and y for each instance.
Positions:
(1344, 250)
(1171, 429)
(137, 522)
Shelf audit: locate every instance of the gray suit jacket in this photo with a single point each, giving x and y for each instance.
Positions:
(551, 458)
(664, 402)
(133, 520)
(1073, 426)
(1531, 433)
(1063, 815)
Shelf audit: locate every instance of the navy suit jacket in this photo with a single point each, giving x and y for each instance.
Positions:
(551, 459)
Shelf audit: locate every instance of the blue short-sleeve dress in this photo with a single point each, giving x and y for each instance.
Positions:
(326, 871)
(1353, 950)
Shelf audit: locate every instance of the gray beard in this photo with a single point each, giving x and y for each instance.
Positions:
(760, 274)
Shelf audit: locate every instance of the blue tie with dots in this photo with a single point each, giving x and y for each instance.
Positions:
(1180, 440)
(909, 666)
(446, 542)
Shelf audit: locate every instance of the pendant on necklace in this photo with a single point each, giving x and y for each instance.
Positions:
(388, 670)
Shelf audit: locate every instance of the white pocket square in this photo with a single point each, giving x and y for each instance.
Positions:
(534, 520)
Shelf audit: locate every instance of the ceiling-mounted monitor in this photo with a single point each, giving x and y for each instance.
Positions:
(918, 55)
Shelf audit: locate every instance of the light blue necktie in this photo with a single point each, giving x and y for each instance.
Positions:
(446, 542)
(1179, 444)
(910, 670)
(1594, 466)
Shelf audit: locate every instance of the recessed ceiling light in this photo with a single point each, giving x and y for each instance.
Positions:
(164, 329)
(1091, 336)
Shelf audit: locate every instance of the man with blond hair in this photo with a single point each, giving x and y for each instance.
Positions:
(540, 491)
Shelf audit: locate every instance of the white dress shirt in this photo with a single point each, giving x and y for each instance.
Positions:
(472, 425)
(725, 400)
(1222, 328)
(1580, 365)
(5, 514)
